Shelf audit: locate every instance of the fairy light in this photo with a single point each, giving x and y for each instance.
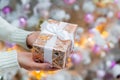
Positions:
(12, 48)
(91, 41)
(111, 45)
(36, 74)
(39, 74)
(83, 42)
(102, 54)
(104, 34)
(76, 44)
(51, 72)
(101, 27)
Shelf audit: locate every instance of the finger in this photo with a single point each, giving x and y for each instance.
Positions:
(42, 66)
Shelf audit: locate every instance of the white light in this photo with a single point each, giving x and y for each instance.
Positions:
(89, 39)
(103, 54)
(76, 7)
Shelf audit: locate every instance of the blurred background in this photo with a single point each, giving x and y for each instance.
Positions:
(97, 45)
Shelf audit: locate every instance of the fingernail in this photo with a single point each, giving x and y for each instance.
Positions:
(48, 67)
(51, 65)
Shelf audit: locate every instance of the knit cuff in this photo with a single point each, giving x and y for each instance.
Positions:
(8, 61)
(19, 36)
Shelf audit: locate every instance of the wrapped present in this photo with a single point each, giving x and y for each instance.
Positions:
(54, 43)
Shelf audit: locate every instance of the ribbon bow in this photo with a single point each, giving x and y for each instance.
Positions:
(55, 29)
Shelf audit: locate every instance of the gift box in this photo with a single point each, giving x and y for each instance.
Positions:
(54, 43)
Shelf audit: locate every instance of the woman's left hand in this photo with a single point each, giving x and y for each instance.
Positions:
(31, 38)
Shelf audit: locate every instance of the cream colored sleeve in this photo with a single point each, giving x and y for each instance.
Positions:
(12, 34)
(8, 60)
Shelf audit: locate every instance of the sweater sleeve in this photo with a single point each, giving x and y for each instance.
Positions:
(15, 35)
(12, 34)
(8, 61)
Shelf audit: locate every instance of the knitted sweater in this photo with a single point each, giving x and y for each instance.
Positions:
(8, 60)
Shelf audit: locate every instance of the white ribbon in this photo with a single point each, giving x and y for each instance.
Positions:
(57, 31)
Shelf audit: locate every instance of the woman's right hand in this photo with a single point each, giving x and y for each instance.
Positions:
(25, 61)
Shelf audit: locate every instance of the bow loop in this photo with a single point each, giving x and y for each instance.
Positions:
(55, 29)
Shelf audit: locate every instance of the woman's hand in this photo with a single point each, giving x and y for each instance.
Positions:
(25, 61)
(31, 38)
(25, 58)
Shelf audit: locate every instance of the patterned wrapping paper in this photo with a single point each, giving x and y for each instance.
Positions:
(60, 50)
